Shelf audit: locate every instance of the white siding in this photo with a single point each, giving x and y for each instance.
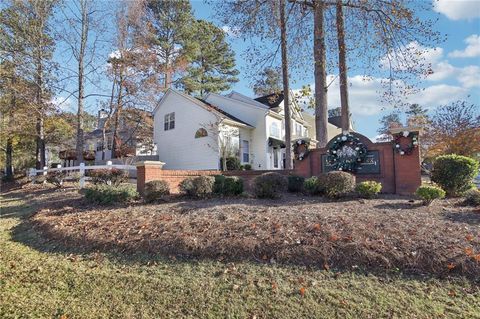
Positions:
(252, 115)
(179, 148)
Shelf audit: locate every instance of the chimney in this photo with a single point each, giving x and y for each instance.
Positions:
(102, 117)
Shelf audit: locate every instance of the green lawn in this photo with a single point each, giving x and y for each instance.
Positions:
(42, 284)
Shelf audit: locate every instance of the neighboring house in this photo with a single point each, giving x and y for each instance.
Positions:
(190, 133)
(135, 140)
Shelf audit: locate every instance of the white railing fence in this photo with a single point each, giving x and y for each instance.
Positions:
(32, 172)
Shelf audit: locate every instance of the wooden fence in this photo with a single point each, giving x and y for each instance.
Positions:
(82, 168)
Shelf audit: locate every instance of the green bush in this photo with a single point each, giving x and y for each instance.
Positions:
(368, 189)
(56, 178)
(200, 186)
(295, 183)
(247, 167)
(338, 184)
(315, 185)
(454, 173)
(269, 185)
(233, 163)
(228, 186)
(155, 190)
(108, 176)
(109, 194)
(429, 193)
(472, 197)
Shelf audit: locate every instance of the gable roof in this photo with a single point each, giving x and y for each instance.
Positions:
(227, 115)
(271, 100)
(243, 98)
(205, 105)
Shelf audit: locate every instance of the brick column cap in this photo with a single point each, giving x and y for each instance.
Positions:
(150, 163)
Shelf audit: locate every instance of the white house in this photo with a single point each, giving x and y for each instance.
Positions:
(192, 133)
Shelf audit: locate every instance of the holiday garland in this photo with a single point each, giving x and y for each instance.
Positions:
(346, 152)
(411, 145)
(298, 154)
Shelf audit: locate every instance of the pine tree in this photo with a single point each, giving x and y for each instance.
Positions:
(268, 82)
(172, 36)
(212, 68)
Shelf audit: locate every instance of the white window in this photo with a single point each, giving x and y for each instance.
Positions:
(245, 151)
(169, 123)
(274, 129)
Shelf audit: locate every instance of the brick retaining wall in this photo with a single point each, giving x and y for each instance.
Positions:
(149, 171)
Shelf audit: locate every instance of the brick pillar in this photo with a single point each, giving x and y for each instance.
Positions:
(407, 172)
(147, 171)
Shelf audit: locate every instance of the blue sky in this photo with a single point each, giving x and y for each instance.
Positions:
(457, 75)
(456, 65)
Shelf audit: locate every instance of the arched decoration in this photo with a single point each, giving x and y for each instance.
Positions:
(201, 132)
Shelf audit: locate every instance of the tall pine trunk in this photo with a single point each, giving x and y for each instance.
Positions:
(319, 53)
(81, 81)
(342, 64)
(40, 130)
(9, 145)
(286, 89)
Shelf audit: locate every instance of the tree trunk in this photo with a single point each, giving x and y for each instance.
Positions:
(40, 130)
(8, 159)
(342, 65)
(319, 53)
(286, 89)
(9, 146)
(81, 81)
(117, 117)
(40, 143)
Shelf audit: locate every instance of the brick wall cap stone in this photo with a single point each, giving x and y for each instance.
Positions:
(150, 163)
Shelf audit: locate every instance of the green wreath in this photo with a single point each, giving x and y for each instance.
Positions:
(346, 152)
(411, 145)
(300, 155)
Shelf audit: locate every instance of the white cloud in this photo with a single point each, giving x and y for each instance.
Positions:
(458, 9)
(441, 71)
(440, 94)
(231, 32)
(472, 50)
(469, 76)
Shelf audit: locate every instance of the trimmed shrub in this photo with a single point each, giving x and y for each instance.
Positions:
(186, 186)
(109, 176)
(200, 186)
(454, 173)
(155, 190)
(295, 183)
(56, 178)
(338, 184)
(247, 167)
(472, 197)
(368, 189)
(228, 186)
(233, 186)
(109, 194)
(269, 185)
(429, 193)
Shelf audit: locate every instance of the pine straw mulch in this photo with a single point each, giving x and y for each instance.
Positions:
(390, 233)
